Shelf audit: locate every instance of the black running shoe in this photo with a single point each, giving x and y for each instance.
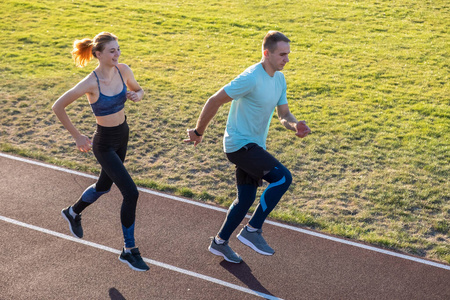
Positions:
(134, 260)
(74, 223)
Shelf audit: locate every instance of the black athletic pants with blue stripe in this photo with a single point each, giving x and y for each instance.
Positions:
(253, 164)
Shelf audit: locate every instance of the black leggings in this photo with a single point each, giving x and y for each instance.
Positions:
(110, 148)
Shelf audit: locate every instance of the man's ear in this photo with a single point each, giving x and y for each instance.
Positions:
(266, 53)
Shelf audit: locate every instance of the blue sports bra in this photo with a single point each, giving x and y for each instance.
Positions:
(108, 105)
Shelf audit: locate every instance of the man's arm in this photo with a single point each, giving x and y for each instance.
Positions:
(208, 112)
(290, 122)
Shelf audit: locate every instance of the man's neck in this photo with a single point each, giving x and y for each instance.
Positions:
(267, 68)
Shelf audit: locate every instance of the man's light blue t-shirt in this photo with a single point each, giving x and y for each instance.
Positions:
(255, 95)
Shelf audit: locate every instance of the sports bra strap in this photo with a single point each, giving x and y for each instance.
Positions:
(98, 82)
(120, 75)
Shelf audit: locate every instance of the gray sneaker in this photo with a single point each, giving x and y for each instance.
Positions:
(225, 251)
(255, 241)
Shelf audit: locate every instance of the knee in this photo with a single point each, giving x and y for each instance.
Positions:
(279, 174)
(246, 195)
(133, 194)
(90, 195)
(288, 177)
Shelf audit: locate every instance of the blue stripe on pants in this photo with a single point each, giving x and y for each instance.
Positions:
(273, 184)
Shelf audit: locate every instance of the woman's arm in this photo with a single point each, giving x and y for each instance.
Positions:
(59, 108)
(135, 93)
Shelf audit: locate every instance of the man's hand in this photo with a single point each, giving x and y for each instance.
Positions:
(193, 137)
(302, 129)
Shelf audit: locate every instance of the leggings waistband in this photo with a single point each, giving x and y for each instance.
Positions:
(113, 129)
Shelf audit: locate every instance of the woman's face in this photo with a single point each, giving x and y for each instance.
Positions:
(110, 54)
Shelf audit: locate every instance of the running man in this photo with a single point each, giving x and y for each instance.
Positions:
(254, 94)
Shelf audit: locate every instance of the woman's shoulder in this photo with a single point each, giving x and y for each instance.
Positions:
(88, 83)
(90, 79)
(123, 67)
(125, 71)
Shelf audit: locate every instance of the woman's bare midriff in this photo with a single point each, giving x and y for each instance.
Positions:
(112, 120)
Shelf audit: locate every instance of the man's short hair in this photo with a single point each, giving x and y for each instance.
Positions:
(272, 38)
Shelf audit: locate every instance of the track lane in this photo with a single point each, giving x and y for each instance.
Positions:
(177, 234)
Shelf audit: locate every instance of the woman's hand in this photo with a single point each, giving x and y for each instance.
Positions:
(133, 96)
(84, 144)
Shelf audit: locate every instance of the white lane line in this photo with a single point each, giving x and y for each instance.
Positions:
(150, 261)
(304, 231)
(366, 247)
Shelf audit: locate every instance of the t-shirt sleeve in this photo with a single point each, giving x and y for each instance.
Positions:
(240, 86)
(283, 97)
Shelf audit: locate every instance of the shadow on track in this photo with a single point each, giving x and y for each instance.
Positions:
(243, 272)
(114, 294)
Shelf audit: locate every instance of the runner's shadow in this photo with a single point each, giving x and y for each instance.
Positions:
(114, 294)
(243, 272)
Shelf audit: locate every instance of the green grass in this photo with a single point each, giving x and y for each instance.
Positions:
(370, 78)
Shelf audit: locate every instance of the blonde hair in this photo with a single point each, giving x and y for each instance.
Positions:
(84, 50)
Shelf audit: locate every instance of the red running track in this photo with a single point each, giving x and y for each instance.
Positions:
(41, 260)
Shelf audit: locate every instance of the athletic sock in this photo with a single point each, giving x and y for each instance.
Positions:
(72, 213)
(250, 229)
(219, 241)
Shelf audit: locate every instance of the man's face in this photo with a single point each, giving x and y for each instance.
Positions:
(279, 58)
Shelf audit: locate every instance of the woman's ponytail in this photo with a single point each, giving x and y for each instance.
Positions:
(82, 52)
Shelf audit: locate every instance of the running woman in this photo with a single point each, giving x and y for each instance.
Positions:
(254, 94)
(107, 91)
